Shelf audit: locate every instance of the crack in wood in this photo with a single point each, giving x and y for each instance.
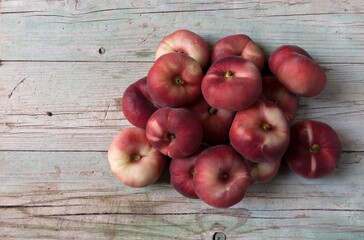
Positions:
(106, 10)
(34, 206)
(149, 35)
(56, 151)
(91, 21)
(76, 4)
(17, 85)
(10, 125)
(20, 12)
(189, 11)
(313, 209)
(118, 213)
(106, 112)
(81, 61)
(233, 212)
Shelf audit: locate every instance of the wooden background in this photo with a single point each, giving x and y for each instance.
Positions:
(64, 67)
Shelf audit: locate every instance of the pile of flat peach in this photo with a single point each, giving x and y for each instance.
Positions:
(222, 118)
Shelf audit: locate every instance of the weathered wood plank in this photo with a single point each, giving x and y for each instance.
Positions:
(60, 107)
(332, 31)
(84, 101)
(254, 7)
(59, 195)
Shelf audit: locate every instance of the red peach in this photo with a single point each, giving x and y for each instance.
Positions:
(186, 42)
(133, 160)
(260, 133)
(238, 45)
(263, 172)
(175, 132)
(174, 80)
(137, 104)
(314, 150)
(232, 83)
(182, 171)
(297, 71)
(221, 176)
(215, 122)
(274, 91)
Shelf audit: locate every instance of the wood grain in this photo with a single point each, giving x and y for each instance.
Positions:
(55, 196)
(85, 102)
(131, 30)
(64, 65)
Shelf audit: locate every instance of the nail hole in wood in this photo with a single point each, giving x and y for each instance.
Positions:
(102, 50)
(49, 114)
(219, 236)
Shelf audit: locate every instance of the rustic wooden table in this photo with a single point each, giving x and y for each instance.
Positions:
(64, 67)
